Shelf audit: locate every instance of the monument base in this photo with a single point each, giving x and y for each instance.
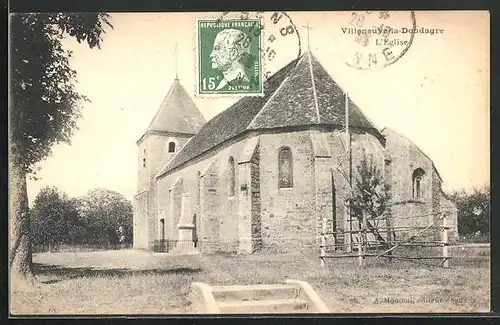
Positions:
(185, 244)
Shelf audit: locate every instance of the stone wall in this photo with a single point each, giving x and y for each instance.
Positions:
(152, 156)
(209, 209)
(287, 214)
(140, 230)
(256, 204)
(407, 209)
(154, 149)
(260, 214)
(207, 177)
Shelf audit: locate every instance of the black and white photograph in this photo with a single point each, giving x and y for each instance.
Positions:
(358, 181)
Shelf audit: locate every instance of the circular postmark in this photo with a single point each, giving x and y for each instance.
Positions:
(280, 39)
(375, 39)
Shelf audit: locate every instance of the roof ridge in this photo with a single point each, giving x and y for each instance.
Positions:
(274, 93)
(287, 102)
(233, 130)
(267, 102)
(315, 96)
(354, 108)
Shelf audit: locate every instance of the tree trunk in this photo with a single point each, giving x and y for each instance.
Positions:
(20, 259)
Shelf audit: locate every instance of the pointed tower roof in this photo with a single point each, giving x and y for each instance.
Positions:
(177, 113)
(300, 94)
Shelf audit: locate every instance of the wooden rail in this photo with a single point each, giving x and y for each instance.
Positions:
(363, 245)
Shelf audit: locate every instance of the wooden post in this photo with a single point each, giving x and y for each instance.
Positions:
(348, 227)
(360, 249)
(390, 238)
(323, 244)
(365, 237)
(348, 242)
(388, 224)
(444, 239)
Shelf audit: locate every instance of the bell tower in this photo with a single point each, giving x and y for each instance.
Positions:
(175, 122)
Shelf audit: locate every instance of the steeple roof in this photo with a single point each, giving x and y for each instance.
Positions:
(300, 94)
(177, 113)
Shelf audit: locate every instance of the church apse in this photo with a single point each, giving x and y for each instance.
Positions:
(287, 191)
(265, 172)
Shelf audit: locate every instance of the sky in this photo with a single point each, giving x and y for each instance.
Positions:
(436, 94)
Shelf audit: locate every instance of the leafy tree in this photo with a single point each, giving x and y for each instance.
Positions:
(99, 218)
(43, 107)
(54, 218)
(103, 212)
(473, 210)
(370, 195)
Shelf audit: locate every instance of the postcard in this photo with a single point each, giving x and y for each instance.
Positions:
(264, 162)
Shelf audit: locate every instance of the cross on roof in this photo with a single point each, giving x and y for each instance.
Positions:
(176, 74)
(308, 28)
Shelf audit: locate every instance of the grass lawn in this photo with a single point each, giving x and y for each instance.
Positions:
(135, 282)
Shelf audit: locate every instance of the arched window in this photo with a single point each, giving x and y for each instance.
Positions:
(144, 159)
(232, 176)
(171, 146)
(285, 168)
(417, 178)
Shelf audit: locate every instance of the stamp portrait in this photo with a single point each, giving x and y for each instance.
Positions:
(229, 60)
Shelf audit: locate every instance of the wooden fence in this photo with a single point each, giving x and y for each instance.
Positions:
(368, 241)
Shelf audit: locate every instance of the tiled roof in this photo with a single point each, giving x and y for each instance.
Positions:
(300, 94)
(177, 113)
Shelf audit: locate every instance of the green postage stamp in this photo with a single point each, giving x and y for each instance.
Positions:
(229, 60)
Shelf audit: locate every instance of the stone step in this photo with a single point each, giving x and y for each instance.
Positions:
(255, 291)
(252, 287)
(262, 306)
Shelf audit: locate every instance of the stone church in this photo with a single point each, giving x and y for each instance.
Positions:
(264, 173)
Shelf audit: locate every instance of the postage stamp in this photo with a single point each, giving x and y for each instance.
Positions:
(280, 38)
(229, 60)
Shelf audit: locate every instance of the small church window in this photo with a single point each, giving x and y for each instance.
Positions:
(417, 178)
(285, 168)
(171, 146)
(144, 159)
(232, 176)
